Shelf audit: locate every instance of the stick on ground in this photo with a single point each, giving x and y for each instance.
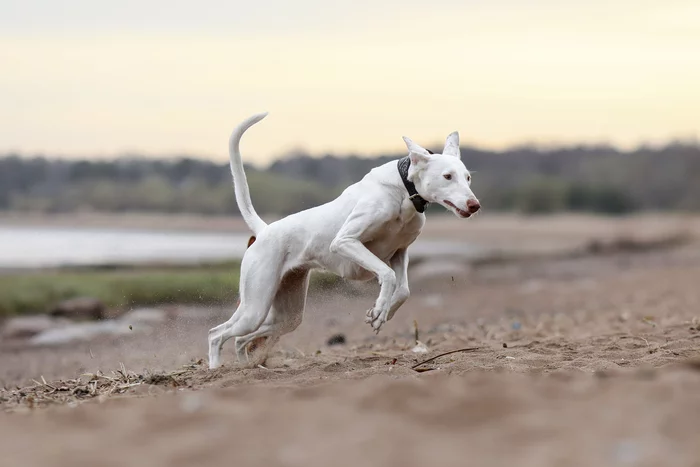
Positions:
(468, 349)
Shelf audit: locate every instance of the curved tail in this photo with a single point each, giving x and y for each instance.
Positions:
(240, 183)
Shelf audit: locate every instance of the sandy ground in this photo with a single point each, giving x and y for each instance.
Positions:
(580, 361)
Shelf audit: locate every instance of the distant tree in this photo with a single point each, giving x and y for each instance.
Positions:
(530, 179)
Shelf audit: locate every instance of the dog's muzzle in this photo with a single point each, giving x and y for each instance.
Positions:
(472, 207)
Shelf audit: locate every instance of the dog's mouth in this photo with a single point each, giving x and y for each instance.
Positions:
(460, 212)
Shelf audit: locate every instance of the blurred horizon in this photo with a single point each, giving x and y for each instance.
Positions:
(84, 80)
(293, 154)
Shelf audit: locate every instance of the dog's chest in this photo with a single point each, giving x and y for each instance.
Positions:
(396, 234)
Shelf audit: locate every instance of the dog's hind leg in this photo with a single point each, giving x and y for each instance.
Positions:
(285, 316)
(245, 320)
(259, 284)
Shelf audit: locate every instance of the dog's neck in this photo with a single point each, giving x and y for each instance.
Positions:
(418, 201)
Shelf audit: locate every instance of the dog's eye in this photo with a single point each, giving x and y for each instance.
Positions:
(469, 178)
(448, 176)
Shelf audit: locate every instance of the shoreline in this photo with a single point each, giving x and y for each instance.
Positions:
(437, 225)
(186, 239)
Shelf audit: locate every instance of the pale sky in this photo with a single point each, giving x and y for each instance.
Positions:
(98, 78)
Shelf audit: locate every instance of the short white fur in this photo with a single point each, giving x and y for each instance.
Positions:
(362, 234)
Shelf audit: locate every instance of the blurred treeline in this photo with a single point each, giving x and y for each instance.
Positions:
(584, 178)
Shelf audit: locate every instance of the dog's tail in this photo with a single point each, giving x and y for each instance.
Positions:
(240, 183)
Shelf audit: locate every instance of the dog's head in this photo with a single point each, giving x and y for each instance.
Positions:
(443, 178)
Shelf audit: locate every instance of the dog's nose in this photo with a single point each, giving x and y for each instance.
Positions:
(473, 206)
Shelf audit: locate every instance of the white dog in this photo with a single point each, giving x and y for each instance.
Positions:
(363, 233)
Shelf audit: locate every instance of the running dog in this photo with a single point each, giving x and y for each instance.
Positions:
(362, 234)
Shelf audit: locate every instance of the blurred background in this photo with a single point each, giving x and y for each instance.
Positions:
(116, 114)
(578, 120)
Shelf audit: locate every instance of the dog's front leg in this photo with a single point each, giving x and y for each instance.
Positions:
(355, 251)
(399, 263)
(359, 226)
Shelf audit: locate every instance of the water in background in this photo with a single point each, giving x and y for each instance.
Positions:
(33, 247)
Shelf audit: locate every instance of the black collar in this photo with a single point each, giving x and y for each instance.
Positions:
(418, 202)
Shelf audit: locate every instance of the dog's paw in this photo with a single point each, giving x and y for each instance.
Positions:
(369, 316)
(376, 316)
(377, 324)
(373, 314)
(214, 359)
(378, 321)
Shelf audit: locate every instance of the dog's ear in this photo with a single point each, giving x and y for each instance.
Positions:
(413, 147)
(452, 145)
(417, 153)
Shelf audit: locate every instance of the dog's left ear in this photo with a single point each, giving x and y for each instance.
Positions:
(452, 145)
(417, 153)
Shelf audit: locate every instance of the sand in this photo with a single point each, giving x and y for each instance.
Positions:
(579, 361)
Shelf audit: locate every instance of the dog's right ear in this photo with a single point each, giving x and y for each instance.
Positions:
(417, 153)
(452, 145)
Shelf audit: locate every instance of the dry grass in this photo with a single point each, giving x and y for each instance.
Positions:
(92, 386)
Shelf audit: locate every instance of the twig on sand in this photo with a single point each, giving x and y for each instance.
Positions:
(468, 349)
(98, 375)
